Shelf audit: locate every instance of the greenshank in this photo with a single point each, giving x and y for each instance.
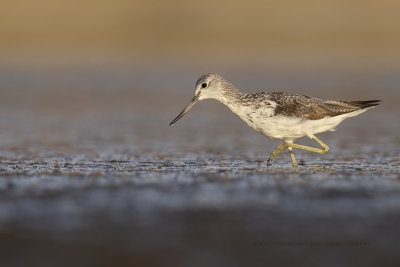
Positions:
(279, 115)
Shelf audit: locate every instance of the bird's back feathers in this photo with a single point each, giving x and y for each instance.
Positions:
(293, 105)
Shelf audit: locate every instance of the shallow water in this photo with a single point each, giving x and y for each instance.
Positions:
(101, 179)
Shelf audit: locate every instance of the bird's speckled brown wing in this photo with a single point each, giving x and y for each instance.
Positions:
(311, 108)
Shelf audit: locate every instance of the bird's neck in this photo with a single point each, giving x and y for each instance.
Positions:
(231, 97)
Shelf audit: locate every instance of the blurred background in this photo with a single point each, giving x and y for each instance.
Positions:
(90, 165)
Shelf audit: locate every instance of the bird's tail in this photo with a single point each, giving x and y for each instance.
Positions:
(363, 104)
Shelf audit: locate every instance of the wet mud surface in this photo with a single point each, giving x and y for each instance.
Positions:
(102, 204)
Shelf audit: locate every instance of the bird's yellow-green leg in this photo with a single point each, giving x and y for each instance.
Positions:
(292, 157)
(277, 151)
(324, 150)
(289, 145)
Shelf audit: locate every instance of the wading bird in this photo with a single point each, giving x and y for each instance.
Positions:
(278, 115)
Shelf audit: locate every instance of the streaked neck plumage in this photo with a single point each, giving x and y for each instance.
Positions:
(229, 96)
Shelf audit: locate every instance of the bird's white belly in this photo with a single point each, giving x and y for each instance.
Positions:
(290, 128)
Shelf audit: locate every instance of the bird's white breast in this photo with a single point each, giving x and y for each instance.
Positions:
(264, 121)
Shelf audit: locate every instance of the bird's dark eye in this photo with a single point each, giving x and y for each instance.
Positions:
(203, 85)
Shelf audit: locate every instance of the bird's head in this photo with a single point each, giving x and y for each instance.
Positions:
(208, 86)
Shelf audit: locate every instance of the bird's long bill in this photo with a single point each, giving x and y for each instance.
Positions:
(186, 109)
